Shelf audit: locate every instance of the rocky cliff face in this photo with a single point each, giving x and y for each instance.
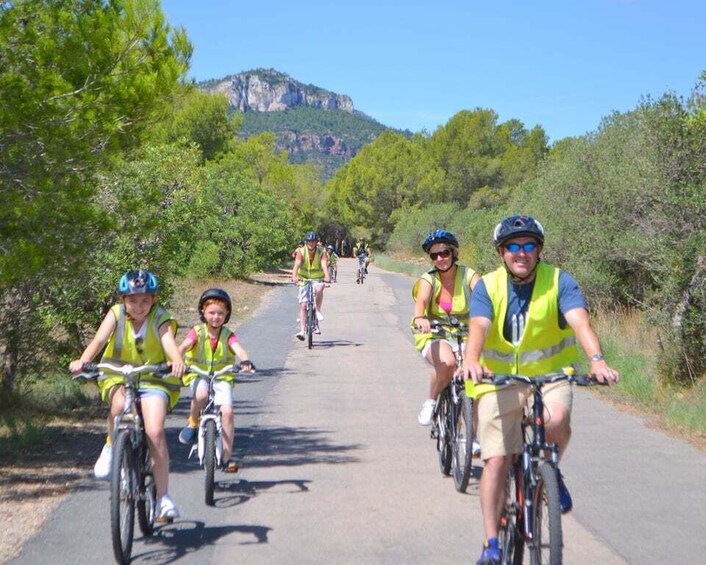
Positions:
(267, 90)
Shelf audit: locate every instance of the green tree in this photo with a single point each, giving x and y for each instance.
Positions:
(79, 82)
(203, 119)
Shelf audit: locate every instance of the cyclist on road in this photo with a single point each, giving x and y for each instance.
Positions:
(310, 264)
(212, 346)
(525, 319)
(139, 332)
(442, 292)
(362, 251)
(332, 261)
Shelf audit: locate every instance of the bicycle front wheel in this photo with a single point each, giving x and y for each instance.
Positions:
(463, 443)
(123, 481)
(547, 543)
(443, 441)
(147, 501)
(310, 324)
(209, 460)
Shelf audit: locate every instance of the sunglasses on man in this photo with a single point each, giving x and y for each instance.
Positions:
(527, 247)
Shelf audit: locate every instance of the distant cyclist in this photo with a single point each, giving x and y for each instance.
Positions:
(332, 261)
(362, 251)
(442, 292)
(310, 264)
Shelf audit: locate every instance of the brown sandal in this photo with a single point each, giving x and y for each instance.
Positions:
(230, 466)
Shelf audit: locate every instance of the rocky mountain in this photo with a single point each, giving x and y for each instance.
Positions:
(311, 123)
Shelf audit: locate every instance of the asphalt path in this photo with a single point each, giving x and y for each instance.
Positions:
(336, 469)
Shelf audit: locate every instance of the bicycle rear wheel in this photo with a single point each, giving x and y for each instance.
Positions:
(510, 534)
(463, 442)
(147, 501)
(443, 440)
(123, 481)
(546, 547)
(209, 460)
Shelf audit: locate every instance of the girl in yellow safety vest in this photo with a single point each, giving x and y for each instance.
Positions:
(212, 346)
(139, 332)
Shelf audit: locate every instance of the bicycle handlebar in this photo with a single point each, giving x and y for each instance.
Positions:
(92, 370)
(232, 368)
(453, 327)
(499, 379)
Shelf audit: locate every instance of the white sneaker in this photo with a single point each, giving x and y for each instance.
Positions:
(166, 509)
(317, 330)
(475, 447)
(319, 316)
(425, 415)
(101, 469)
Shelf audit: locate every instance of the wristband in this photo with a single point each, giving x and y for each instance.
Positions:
(417, 317)
(597, 357)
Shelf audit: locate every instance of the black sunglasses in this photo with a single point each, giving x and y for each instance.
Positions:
(436, 254)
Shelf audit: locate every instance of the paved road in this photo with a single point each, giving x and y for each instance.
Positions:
(335, 468)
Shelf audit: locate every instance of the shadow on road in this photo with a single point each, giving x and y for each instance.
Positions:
(181, 538)
(239, 492)
(281, 446)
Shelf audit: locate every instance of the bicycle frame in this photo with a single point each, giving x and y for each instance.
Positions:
(210, 412)
(132, 487)
(528, 468)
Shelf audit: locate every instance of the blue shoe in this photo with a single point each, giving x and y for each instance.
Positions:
(564, 496)
(187, 436)
(492, 554)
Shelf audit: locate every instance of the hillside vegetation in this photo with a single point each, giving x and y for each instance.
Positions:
(112, 161)
(308, 135)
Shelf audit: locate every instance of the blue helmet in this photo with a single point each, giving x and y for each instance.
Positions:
(138, 281)
(439, 236)
(517, 226)
(311, 236)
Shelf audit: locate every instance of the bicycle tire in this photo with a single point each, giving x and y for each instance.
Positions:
(463, 442)
(510, 533)
(547, 544)
(122, 497)
(147, 501)
(443, 440)
(310, 324)
(209, 460)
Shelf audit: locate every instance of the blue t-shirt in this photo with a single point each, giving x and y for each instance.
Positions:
(570, 297)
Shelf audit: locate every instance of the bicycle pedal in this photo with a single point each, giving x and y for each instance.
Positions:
(164, 520)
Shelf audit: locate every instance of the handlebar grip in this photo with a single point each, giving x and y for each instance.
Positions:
(90, 367)
(163, 370)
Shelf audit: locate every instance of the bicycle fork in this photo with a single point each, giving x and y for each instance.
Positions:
(200, 446)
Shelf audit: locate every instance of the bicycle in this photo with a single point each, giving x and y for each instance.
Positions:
(531, 515)
(360, 275)
(132, 484)
(209, 443)
(311, 323)
(452, 422)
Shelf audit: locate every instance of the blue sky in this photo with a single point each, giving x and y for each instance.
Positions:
(413, 64)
